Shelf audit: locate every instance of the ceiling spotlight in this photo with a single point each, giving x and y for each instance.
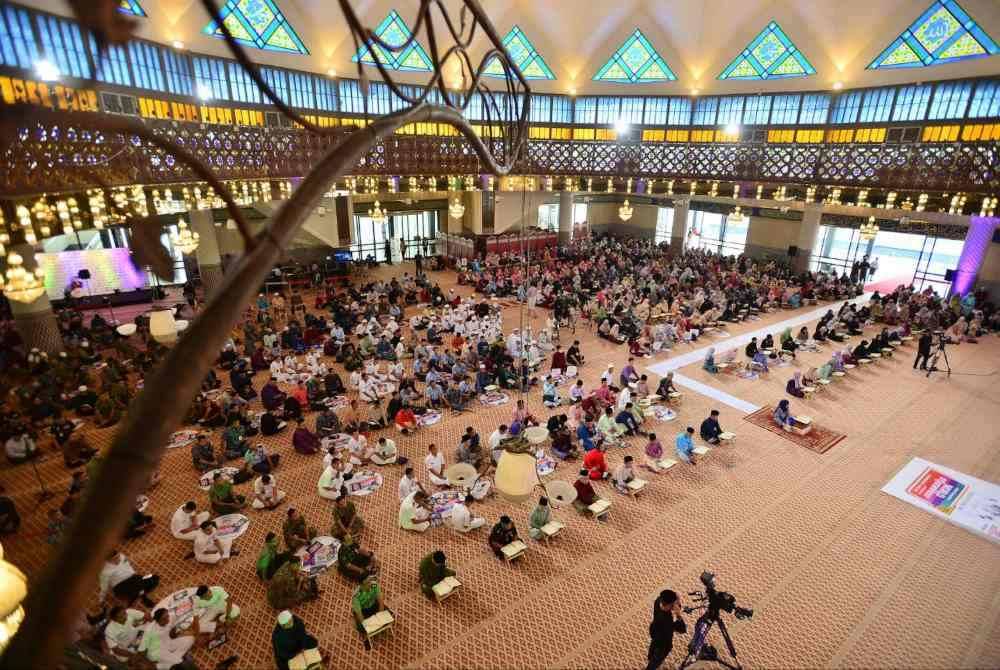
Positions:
(46, 70)
(572, 92)
(204, 92)
(332, 72)
(732, 129)
(622, 126)
(837, 85)
(694, 92)
(177, 44)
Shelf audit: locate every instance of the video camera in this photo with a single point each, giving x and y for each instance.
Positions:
(717, 600)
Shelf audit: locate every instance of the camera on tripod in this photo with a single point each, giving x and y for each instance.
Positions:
(717, 600)
(713, 602)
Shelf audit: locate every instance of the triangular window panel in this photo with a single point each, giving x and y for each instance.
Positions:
(635, 62)
(771, 55)
(131, 7)
(942, 34)
(523, 54)
(394, 32)
(260, 24)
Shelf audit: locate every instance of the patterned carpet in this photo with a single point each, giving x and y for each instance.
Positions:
(819, 439)
(839, 574)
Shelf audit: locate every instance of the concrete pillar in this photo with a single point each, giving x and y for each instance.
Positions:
(208, 253)
(680, 226)
(977, 243)
(808, 236)
(566, 217)
(35, 321)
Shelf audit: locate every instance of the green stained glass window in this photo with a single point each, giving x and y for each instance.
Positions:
(635, 62)
(131, 7)
(944, 33)
(258, 23)
(771, 55)
(523, 54)
(394, 32)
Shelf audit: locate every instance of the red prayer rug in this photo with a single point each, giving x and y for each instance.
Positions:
(819, 439)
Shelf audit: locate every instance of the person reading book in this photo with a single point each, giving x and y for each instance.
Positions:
(503, 533)
(434, 570)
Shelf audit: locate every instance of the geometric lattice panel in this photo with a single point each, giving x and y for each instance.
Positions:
(944, 33)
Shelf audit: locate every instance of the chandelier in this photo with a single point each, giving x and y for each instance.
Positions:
(378, 215)
(869, 230)
(184, 239)
(456, 209)
(625, 211)
(21, 285)
(736, 216)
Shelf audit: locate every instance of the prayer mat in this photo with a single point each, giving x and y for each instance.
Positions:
(819, 439)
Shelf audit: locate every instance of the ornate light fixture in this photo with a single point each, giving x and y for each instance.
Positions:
(736, 191)
(185, 239)
(21, 285)
(378, 215)
(625, 211)
(869, 230)
(811, 194)
(781, 196)
(163, 326)
(456, 209)
(13, 591)
(736, 216)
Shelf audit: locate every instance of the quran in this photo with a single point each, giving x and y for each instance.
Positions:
(445, 586)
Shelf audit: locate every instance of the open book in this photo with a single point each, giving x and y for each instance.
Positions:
(305, 660)
(513, 549)
(726, 435)
(701, 451)
(551, 528)
(445, 586)
(636, 485)
(599, 507)
(377, 622)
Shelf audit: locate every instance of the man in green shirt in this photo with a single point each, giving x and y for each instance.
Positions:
(290, 586)
(366, 601)
(540, 516)
(433, 569)
(221, 495)
(217, 610)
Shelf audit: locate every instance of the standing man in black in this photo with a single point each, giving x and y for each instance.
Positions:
(923, 350)
(666, 621)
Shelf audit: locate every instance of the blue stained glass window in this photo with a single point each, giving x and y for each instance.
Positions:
(242, 86)
(771, 55)
(541, 109)
(815, 108)
(656, 112)
(585, 111)
(607, 109)
(178, 70)
(680, 112)
(326, 93)
(394, 32)
(877, 105)
(785, 110)
(210, 77)
(704, 111)
(62, 43)
(17, 40)
(635, 62)
(258, 23)
(378, 98)
(146, 66)
(522, 53)
(562, 109)
(730, 110)
(112, 65)
(757, 110)
(950, 101)
(631, 110)
(300, 85)
(911, 103)
(351, 100)
(845, 109)
(474, 110)
(278, 81)
(944, 33)
(986, 102)
(131, 7)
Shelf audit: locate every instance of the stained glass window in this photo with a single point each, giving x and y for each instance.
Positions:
(771, 55)
(131, 7)
(635, 62)
(260, 24)
(394, 31)
(523, 54)
(942, 34)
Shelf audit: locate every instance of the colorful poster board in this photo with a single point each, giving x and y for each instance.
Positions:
(961, 499)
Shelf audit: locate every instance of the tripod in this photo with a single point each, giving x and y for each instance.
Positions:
(939, 354)
(700, 650)
(44, 494)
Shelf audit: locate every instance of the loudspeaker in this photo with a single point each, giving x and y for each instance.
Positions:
(83, 274)
(949, 275)
(793, 251)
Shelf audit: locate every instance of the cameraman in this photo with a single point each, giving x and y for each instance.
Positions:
(923, 349)
(666, 621)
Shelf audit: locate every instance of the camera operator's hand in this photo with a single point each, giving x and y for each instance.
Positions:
(677, 609)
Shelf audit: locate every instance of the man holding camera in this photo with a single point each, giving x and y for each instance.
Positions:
(923, 350)
(666, 621)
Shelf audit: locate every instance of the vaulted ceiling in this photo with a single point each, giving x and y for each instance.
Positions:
(697, 39)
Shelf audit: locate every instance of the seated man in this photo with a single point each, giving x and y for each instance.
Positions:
(271, 396)
(258, 460)
(186, 521)
(415, 512)
(217, 610)
(434, 462)
(540, 516)
(162, 643)
(290, 586)
(433, 569)
(624, 474)
(710, 429)
(354, 562)
(270, 424)
(327, 423)
(270, 559)
(503, 533)
(330, 482)
(203, 455)
(209, 547)
(609, 428)
(574, 355)
(627, 419)
(596, 463)
(346, 519)
(585, 434)
(122, 632)
(234, 439)
(222, 497)
(289, 639)
(304, 441)
(266, 494)
(385, 452)
(296, 531)
(366, 602)
(461, 518)
(685, 446)
(585, 493)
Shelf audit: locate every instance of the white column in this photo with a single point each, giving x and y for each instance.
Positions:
(566, 217)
